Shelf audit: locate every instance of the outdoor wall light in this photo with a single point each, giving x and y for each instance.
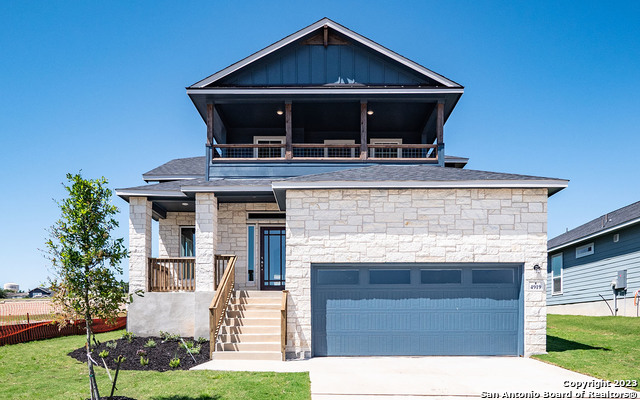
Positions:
(279, 112)
(370, 112)
(537, 268)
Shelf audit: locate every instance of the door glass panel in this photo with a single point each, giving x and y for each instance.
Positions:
(273, 257)
(251, 237)
(439, 276)
(389, 276)
(187, 242)
(492, 276)
(338, 276)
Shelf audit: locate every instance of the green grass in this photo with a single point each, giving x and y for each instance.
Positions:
(42, 370)
(603, 347)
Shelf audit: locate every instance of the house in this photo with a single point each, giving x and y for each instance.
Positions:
(40, 292)
(584, 261)
(326, 219)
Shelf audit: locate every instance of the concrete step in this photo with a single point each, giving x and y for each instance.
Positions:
(273, 346)
(254, 306)
(247, 355)
(257, 330)
(251, 322)
(250, 338)
(258, 293)
(253, 313)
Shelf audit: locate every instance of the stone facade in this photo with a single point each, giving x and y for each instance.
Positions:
(139, 242)
(169, 232)
(417, 225)
(206, 239)
(232, 236)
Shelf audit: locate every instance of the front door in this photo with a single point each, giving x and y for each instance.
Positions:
(272, 263)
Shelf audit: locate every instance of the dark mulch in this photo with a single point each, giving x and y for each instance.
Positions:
(158, 356)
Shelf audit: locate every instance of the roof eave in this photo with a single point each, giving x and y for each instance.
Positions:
(594, 235)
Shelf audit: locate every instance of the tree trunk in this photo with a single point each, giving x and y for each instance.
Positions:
(93, 385)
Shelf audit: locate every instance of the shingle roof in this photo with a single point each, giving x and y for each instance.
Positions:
(181, 167)
(403, 173)
(602, 223)
(177, 186)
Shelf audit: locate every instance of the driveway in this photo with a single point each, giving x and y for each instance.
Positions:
(399, 378)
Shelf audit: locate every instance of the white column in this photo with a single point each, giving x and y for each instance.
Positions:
(139, 242)
(206, 239)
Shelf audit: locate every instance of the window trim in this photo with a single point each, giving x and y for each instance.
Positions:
(553, 292)
(372, 152)
(257, 139)
(180, 250)
(588, 252)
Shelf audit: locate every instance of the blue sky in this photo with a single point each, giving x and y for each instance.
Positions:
(550, 89)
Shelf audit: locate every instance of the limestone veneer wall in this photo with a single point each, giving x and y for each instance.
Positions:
(169, 232)
(417, 225)
(139, 242)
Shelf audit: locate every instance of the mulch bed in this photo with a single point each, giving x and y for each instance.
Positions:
(158, 356)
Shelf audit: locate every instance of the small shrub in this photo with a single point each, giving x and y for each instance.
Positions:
(187, 344)
(168, 337)
(104, 354)
(195, 349)
(129, 336)
(120, 359)
(174, 363)
(112, 344)
(201, 340)
(150, 343)
(144, 361)
(141, 353)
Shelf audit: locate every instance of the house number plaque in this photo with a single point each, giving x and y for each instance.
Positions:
(536, 286)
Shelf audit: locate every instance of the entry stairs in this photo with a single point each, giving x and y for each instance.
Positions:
(251, 328)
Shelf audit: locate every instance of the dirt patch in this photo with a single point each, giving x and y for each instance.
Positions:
(158, 356)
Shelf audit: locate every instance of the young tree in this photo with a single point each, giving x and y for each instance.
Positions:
(85, 259)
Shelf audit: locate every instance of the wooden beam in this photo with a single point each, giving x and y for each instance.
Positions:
(326, 36)
(288, 153)
(209, 124)
(363, 131)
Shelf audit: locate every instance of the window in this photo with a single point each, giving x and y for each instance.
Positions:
(389, 276)
(585, 250)
(187, 241)
(440, 276)
(556, 273)
(616, 238)
(338, 276)
(251, 253)
(268, 152)
(492, 276)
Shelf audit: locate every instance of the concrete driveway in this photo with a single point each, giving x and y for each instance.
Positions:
(398, 378)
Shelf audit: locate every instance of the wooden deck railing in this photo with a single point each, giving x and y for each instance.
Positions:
(283, 323)
(172, 274)
(220, 301)
(325, 152)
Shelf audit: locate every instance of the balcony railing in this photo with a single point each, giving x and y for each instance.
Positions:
(325, 152)
(179, 273)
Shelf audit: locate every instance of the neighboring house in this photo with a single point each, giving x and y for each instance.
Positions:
(40, 292)
(325, 175)
(584, 261)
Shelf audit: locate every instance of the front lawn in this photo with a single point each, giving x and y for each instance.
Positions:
(603, 347)
(42, 370)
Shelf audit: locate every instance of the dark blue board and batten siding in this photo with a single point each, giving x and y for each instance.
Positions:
(417, 309)
(319, 65)
(585, 278)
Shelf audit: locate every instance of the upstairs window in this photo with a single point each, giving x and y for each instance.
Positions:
(187, 241)
(585, 250)
(556, 273)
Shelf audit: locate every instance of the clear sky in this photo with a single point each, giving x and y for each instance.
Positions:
(551, 89)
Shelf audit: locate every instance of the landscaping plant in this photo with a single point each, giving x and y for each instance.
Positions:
(85, 259)
(174, 363)
(150, 343)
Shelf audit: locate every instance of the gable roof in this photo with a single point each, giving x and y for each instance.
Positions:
(614, 220)
(310, 29)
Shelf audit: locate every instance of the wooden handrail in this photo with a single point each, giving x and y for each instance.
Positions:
(220, 302)
(283, 324)
(403, 146)
(249, 145)
(171, 274)
(325, 146)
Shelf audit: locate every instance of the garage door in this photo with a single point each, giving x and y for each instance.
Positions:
(411, 309)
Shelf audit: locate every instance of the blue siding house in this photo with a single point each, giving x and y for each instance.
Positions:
(584, 262)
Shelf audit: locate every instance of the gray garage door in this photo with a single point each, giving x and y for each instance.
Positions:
(411, 309)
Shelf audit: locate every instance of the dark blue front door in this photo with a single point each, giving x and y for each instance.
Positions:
(416, 309)
(272, 258)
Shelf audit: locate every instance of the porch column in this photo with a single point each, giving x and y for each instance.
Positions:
(206, 239)
(440, 132)
(139, 242)
(364, 140)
